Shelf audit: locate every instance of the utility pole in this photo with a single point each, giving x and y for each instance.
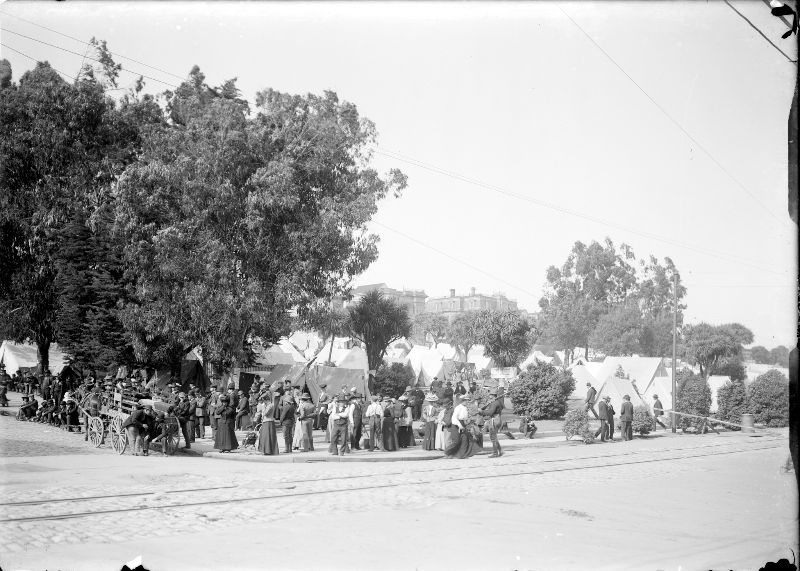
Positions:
(674, 345)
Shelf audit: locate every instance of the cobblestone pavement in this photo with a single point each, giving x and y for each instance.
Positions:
(117, 500)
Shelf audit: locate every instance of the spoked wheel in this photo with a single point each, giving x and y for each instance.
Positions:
(96, 431)
(172, 437)
(119, 440)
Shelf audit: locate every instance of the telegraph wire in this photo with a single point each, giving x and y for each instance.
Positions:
(409, 160)
(674, 122)
(89, 43)
(87, 57)
(36, 60)
(743, 17)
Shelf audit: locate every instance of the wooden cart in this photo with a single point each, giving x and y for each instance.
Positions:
(113, 410)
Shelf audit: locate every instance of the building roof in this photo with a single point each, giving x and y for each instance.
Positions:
(369, 287)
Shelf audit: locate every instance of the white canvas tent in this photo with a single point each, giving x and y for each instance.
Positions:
(582, 376)
(24, 355)
(661, 386)
(480, 360)
(641, 370)
(615, 388)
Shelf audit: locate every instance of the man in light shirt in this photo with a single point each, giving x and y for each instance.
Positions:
(374, 419)
(338, 423)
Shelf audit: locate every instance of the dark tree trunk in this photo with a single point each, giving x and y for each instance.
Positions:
(43, 355)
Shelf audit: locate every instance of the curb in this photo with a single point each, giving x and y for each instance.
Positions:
(303, 459)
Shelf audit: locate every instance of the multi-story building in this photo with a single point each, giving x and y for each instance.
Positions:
(454, 304)
(412, 299)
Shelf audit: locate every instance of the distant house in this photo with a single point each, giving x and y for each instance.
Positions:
(454, 304)
(411, 299)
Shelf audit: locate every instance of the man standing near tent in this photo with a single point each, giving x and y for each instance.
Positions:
(287, 419)
(374, 419)
(591, 394)
(602, 408)
(658, 410)
(338, 425)
(626, 418)
(610, 417)
(355, 421)
(242, 409)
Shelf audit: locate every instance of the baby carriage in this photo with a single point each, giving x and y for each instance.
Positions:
(250, 439)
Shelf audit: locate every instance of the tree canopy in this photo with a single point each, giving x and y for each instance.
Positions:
(711, 346)
(505, 336)
(377, 322)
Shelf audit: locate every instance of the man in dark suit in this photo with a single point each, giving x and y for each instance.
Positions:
(287, 421)
(183, 410)
(356, 428)
(242, 409)
(602, 409)
(658, 410)
(610, 418)
(591, 394)
(626, 418)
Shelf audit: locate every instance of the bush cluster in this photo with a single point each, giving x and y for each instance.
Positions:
(642, 420)
(732, 402)
(768, 399)
(694, 397)
(541, 391)
(392, 381)
(576, 423)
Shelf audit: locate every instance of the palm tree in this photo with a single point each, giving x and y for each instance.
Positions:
(377, 322)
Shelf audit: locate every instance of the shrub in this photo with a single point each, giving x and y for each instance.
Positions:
(392, 381)
(642, 420)
(576, 423)
(768, 399)
(541, 391)
(694, 397)
(732, 402)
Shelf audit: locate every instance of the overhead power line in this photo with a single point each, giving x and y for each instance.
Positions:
(84, 42)
(760, 33)
(36, 60)
(675, 122)
(83, 55)
(399, 157)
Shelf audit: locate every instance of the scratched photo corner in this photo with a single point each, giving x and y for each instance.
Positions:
(398, 285)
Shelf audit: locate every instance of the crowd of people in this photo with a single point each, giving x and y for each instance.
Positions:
(454, 418)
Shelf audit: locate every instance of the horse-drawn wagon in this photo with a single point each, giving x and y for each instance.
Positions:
(105, 414)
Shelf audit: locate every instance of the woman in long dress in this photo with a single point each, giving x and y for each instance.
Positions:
(297, 438)
(388, 432)
(267, 435)
(306, 422)
(429, 414)
(447, 431)
(461, 446)
(405, 435)
(225, 439)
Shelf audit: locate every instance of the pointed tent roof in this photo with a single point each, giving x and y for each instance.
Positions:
(639, 369)
(432, 366)
(24, 355)
(419, 354)
(615, 388)
(290, 349)
(582, 376)
(661, 386)
(282, 372)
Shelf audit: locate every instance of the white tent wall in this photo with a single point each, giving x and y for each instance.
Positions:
(615, 388)
(582, 376)
(661, 386)
(16, 355)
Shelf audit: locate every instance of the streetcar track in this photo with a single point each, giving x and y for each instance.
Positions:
(398, 473)
(54, 500)
(627, 462)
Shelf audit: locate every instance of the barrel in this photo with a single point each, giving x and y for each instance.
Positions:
(747, 423)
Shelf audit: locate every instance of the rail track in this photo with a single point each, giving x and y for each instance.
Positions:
(528, 466)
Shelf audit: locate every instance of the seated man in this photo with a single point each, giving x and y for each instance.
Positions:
(29, 407)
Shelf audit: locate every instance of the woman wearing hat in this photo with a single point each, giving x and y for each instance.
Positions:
(429, 414)
(388, 431)
(267, 435)
(405, 435)
(461, 445)
(225, 438)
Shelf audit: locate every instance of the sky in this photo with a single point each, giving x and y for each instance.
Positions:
(522, 127)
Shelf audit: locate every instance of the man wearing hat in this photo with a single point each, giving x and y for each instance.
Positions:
(306, 421)
(183, 412)
(591, 394)
(658, 410)
(493, 412)
(242, 410)
(610, 417)
(135, 426)
(374, 416)
(338, 422)
(626, 418)
(355, 421)
(602, 410)
(287, 419)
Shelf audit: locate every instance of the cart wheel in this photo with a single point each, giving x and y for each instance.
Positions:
(96, 431)
(119, 440)
(171, 439)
